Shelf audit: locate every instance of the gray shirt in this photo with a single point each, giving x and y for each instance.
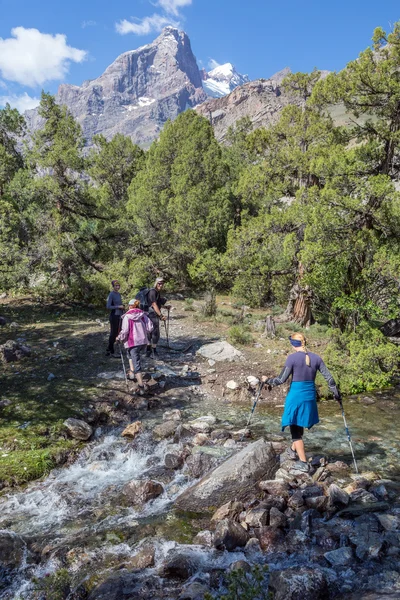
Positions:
(113, 301)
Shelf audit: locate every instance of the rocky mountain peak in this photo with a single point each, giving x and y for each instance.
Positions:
(222, 80)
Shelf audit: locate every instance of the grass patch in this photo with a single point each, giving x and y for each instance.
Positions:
(240, 335)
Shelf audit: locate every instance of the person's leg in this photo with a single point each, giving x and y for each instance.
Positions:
(297, 441)
(136, 352)
(154, 335)
(114, 326)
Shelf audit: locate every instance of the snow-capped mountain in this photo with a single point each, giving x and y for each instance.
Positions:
(222, 80)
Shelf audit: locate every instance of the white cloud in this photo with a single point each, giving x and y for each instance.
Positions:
(145, 26)
(172, 6)
(213, 64)
(23, 102)
(31, 57)
(85, 24)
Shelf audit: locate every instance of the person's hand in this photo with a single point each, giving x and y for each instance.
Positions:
(167, 307)
(162, 318)
(121, 306)
(338, 397)
(264, 379)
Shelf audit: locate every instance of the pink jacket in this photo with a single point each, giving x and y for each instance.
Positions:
(136, 326)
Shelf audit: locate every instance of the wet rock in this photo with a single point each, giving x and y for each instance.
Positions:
(240, 565)
(182, 433)
(299, 583)
(164, 430)
(235, 478)
(199, 464)
(379, 491)
(257, 517)
(337, 496)
(230, 510)
(204, 538)
(276, 487)
(277, 518)
(141, 491)
(242, 434)
(312, 491)
(230, 444)
(319, 503)
(366, 537)
(229, 535)
(337, 467)
(194, 591)
(112, 588)
(203, 424)
(12, 548)
(172, 415)
(220, 351)
(220, 434)
(200, 439)
(132, 430)
(178, 565)
(363, 497)
(271, 539)
(3, 321)
(296, 500)
(273, 502)
(143, 559)
(252, 546)
(173, 460)
(362, 509)
(77, 429)
(12, 351)
(342, 557)
(389, 522)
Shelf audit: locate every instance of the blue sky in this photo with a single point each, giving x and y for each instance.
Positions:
(68, 42)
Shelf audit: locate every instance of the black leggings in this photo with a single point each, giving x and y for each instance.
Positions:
(114, 330)
(296, 432)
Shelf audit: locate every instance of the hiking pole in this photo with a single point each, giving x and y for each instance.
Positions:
(167, 329)
(253, 409)
(348, 436)
(123, 366)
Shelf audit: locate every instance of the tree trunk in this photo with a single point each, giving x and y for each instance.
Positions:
(269, 327)
(299, 306)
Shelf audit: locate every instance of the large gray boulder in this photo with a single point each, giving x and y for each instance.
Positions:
(304, 583)
(12, 351)
(77, 429)
(234, 479)
(220, 351)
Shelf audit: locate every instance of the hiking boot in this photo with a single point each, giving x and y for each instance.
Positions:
(148, 351)
(142, 390)
(290, 454)
(301, 466)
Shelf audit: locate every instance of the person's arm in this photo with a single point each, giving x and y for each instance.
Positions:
(152, 301)
(284, 375)
(110, 305)
(148, 324)
(323, 369)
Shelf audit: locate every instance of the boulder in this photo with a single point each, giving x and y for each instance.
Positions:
(203, 424)
(204, 538)
(78, 429)
(164, 430)
(341, 557)
(3, 321)
(220, 351)
(271, 539)
(132, 430)
(389, 522)
(257, 517)
(276, 487)
(173, 460)
(337, 496)
(172, 415)
(299, 583)
(141, 491)
(12, 351)
(235, 478)
(194, 591)
(277, 518)
(230, 535)
(143, 559)
(179, 565)
(230, 510)
(199, 464)
(12, 548)
(220, 434)
(240, 565)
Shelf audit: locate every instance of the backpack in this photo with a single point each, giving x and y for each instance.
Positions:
(142, 297)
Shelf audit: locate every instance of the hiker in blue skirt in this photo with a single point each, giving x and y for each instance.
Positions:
(301, 403)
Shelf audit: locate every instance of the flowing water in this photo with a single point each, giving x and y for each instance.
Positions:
(80, 510)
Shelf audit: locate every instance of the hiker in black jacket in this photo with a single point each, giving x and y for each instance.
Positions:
(116, 308)
(156, 302)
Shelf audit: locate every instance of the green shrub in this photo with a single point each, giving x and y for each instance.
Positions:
(362, 360)
(244, 586)
(239, 334)
(188, 305)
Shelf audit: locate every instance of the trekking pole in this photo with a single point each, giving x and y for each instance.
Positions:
(253, 409)
(123, 366)
(166, 325)
(349, 437)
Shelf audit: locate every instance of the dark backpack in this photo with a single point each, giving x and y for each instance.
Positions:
(142, 296)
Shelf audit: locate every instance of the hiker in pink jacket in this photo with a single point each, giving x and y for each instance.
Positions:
(135, 330)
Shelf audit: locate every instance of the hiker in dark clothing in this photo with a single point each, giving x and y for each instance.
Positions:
(156, 302)
(301, 404)
(116, 308)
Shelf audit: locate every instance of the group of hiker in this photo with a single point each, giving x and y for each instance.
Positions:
(138, 328)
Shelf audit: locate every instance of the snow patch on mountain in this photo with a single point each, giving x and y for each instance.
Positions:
(222, 80)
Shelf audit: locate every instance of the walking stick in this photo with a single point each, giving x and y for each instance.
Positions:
(254, 408)
(123, 366)
(349, 437)
(167, 329)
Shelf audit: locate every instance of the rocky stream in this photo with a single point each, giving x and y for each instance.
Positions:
(185, 497)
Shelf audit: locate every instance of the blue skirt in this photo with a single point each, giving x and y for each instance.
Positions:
(300, 405)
